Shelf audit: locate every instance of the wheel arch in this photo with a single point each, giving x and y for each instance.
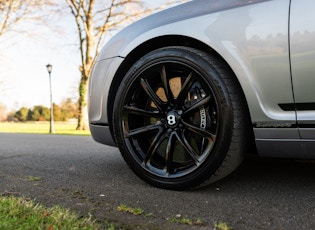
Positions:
(153, 44)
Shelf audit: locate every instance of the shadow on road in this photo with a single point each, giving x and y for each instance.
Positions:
(273, 173)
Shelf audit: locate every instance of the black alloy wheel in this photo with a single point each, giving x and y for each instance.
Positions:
(175, 116)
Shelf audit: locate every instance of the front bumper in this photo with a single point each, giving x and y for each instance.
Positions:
(102, 134)
(99, 87)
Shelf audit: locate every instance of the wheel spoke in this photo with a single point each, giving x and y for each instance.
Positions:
(156, 100)
(141, 112)
(200, 131)
(184, 142)
(158, 139)
(166, 86)
(198, 104)
(185, 89)
(169, 154)
(141, 130)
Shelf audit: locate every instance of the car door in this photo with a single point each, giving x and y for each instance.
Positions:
(302, 53)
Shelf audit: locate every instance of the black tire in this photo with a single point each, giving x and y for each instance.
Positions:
(179, 119)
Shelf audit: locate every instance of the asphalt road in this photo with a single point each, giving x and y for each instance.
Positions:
(77, 173)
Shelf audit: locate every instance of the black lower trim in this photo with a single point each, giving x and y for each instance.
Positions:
(298, 149)
(306, 126)
(297, 106)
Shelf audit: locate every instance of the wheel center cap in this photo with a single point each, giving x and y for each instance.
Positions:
(172, 118)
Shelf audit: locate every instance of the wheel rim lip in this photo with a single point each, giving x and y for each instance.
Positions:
(134, 144)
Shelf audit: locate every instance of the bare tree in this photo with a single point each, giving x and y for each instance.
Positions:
(12, 12)
(95, 19)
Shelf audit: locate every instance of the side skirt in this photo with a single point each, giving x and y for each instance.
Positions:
(286, 148)
(283, 143)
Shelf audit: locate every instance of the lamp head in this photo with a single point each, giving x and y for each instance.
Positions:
(49, 68)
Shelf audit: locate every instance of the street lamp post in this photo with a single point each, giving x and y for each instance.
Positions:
(51, 129)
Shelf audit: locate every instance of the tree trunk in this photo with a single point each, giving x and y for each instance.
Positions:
(83, 123)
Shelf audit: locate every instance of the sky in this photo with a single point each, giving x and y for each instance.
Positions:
(24, 79)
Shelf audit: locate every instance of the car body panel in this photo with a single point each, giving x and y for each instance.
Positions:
(253, 38)
(302, 46)
(194, 9)
(249, 45)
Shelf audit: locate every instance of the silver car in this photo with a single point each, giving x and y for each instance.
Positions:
(186, 92)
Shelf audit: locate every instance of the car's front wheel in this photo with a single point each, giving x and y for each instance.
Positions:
(179, 118)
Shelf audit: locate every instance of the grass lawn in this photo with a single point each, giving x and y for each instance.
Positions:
(67, 128)
(19, 213)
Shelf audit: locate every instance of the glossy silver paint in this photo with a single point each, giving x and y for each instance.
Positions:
(269, 45)
(302, 37)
